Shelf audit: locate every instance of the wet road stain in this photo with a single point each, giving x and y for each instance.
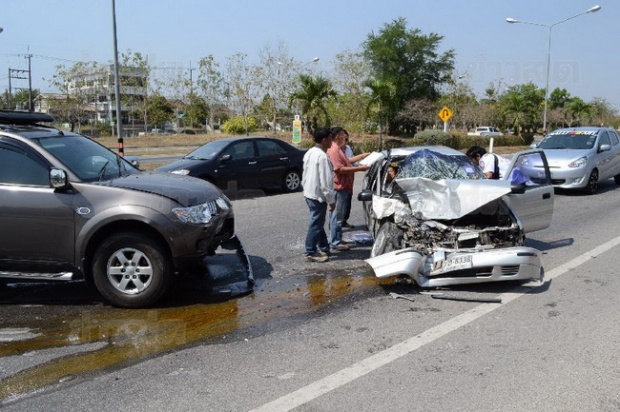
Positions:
(131, 336)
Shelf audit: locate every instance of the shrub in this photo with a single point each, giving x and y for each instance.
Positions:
(462, 141)
(236, 125)
(432, 137)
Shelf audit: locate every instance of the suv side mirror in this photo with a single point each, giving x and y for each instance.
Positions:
(58, 178)
(604, 148)
(225, 158)
(365, 195)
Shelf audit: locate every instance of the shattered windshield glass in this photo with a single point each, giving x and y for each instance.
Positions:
(433, 165)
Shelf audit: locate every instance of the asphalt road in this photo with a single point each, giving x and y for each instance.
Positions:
(327, 337)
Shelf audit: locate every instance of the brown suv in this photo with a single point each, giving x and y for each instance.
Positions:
(72, 209)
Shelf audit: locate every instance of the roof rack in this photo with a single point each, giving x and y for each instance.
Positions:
(14, 117)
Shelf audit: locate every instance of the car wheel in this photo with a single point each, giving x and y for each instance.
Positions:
(388, 239)
(592, 185)
(130, 270)
(617, 179)
(291, 181)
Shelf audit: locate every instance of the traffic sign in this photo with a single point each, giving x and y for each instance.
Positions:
(445, 113)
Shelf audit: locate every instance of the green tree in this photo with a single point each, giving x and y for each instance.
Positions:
(160, 110)
(210, 84)
(558, 98)
(79, 87)
(351, 70)
(409, 60)
(579, 111)
(379, 104)
(197, 111)
(312, 94)
(21, 98)
(521, 106)
(134, 71)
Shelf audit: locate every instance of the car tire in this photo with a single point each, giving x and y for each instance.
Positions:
(291, 182)
(617, 179)
(388, 239)
(592, 185)
(146, 262)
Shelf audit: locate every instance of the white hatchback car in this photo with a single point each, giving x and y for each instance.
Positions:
(581, 157)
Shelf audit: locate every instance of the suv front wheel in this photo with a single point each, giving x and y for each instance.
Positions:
(130, 270)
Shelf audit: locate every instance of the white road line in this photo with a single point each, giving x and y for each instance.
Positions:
(359, 369)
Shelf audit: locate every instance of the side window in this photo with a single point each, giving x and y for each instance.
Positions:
(270, 148)
(241, 150)
(604, 139)
(614, 138)
(19, 167)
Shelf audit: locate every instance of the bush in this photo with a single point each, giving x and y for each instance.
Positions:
(432, 137)
(462, 141)
(236, 125)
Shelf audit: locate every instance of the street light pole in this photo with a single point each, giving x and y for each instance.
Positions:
(551, 26)
(117, 87)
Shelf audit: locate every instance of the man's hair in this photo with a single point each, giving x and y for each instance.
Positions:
(321, 133)
(335, 130)
(475, 150)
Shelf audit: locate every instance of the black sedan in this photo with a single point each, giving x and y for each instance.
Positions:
(243, 163)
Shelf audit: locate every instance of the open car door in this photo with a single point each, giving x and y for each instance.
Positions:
(534, 205)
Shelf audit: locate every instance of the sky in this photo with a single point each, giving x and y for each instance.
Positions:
(584, 53)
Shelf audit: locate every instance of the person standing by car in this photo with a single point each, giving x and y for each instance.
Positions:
(493, 166)
(354, 159)
(318, 184)
(343, 185)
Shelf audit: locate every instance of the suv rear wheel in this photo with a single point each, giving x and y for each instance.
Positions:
(130, 270)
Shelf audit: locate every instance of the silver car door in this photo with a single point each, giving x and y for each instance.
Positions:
(533, 207)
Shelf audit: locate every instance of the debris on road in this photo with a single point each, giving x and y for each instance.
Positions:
(398, 296)
(465, 298)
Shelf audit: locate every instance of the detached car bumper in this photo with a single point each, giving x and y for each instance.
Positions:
(461, 268)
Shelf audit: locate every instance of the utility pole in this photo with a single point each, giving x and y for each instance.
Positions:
(22, 74)
(30, 105)
(17, 74)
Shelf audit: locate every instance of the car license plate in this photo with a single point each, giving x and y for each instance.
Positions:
(457, 263)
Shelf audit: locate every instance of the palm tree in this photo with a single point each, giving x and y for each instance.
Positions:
(312, 94)
(381, 96)
(578, 109)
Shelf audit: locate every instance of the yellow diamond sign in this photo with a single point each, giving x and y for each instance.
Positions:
(445, 113)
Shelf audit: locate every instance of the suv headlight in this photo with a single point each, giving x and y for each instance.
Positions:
(183, 172)
(202, 213)
(581, 162)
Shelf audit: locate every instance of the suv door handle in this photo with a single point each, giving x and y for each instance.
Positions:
(252, 163)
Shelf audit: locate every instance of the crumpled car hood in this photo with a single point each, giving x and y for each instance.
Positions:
(442, 199)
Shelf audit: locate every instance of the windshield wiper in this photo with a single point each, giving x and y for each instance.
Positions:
(102, 171)
(195, 158)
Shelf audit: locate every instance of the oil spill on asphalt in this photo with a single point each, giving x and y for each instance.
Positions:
(111, 337)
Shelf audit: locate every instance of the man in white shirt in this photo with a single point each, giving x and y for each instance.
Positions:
(492, 165)
(318, 184)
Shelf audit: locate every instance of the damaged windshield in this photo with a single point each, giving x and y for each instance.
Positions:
(433, 165)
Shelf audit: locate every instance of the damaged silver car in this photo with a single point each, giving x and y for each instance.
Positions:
(441, 222)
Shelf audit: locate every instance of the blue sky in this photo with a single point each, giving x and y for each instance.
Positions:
(584, 52)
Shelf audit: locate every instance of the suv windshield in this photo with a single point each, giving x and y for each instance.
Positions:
(89, 160)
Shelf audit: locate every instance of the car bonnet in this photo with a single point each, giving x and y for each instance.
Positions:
(187, 191)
